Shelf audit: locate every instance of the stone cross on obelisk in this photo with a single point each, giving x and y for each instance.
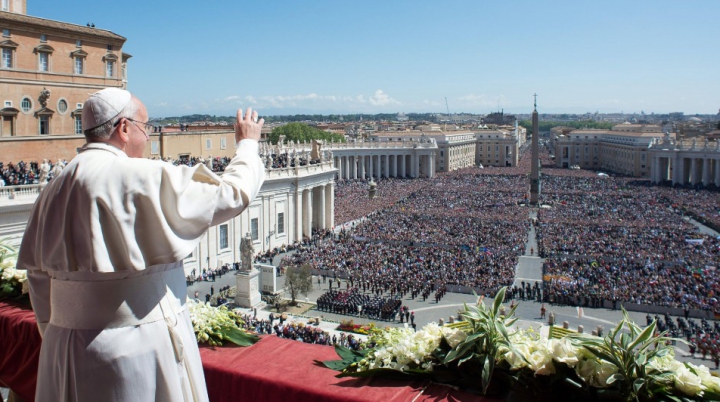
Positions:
(535, 163)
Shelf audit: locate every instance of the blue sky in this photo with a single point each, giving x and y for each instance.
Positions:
(286, 57)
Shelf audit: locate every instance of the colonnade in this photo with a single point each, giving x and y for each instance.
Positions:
(682, 168)
(314, 209)
(384, 165)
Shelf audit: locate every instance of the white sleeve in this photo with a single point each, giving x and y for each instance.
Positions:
(40, 297)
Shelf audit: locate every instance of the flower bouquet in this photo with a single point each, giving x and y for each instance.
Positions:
(214, 325)
(350, 326)
(483, 355)
(13, 282)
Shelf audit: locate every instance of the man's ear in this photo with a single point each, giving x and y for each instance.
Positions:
(122, 131)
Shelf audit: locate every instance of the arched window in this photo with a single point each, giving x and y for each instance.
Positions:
(26, 105)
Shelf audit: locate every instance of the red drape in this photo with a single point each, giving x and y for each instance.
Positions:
(274, 369)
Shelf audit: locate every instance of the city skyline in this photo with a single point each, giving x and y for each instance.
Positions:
(374, 57)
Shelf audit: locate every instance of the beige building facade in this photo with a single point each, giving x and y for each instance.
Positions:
(47, 69)
(623, 149)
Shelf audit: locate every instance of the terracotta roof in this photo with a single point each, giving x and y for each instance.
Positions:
(26, 19)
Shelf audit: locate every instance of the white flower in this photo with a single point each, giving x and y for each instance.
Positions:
(595, 372)
(516, 360)
(563, 351)
(665, 363)
(541, 361)
(708, 380)
(8, 273)
(603, 371)
(20, 275)
(687, 382)
(455, 338)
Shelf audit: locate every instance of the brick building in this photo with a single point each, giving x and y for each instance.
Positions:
(47, 70)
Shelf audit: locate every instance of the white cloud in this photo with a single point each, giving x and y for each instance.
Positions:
(380, 98)
(231, 98)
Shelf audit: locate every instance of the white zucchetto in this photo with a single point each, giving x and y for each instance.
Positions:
(103, 105)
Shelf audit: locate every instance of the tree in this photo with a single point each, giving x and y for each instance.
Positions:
(299, 132)
(298, 280)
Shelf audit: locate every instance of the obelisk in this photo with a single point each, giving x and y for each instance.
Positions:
(535, 163)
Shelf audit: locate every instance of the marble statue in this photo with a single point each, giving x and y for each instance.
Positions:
(247, 252)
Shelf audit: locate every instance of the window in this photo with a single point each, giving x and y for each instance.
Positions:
(44, 125)
(281, 223)
(223, 236)
(109, 48)
(43, 61)
(208, 143)
(78, 43)
(26, 105)
(155, 147)
(43, 38)
(6, 5)
(223, 143)
(78, 125)
(8, 103)
(62, 106)
(6, 32)
(7, 57)
(254, 228)
(79, 62)
(110, 68)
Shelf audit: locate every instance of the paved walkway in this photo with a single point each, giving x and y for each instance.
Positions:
(529, 268)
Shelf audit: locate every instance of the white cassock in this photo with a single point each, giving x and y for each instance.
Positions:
(103, 249)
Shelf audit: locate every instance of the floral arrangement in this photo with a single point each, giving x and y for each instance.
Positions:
(13, 282)
(350, 326)
(214, 325)
(484, 355)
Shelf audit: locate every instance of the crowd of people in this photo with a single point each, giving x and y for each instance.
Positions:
(298, 331)
(621, 239)
(27, 173)
(353, 302)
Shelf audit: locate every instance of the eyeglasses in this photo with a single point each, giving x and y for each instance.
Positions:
(148, 127)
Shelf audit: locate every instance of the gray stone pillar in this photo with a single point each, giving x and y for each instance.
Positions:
(298, 214)
(706, 172)
(717, 171)
(319, 207)
(330, 206)
(307, 213)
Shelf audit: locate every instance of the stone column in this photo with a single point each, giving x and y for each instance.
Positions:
(402, 165)
(717, 171)
(654, 170)
(432, 165)
(361, 166)
(414, 166)
(330, 206)
(299, 214)
(319, 207)
(694, 171)
(307, 213)
(387, 165)
(354, 166)
(339, 166)
(706, 172)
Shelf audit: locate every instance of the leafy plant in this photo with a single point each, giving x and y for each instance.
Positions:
(488, 337)
(13, 282)
(629, 348)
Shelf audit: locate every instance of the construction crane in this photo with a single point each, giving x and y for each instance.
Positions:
(448, 113)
